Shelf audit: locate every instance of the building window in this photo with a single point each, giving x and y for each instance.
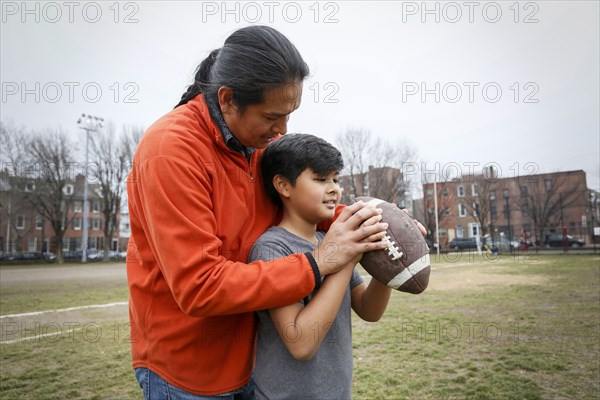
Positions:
(473, 229)
(68, 189)
(475, 189)
(20, 222)
(95, 224)
(96, 206)
(572, 226)
(524, 192)
(492, 195)
(548, 183)
(460, 191)
(39, 222)
(445, 192)
(32, 244)
(475, 209)
(77, 224)
(78, 206)
(446, 211)
(430, 193)
(462, 210)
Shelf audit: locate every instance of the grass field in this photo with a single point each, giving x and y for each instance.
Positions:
(505, 328)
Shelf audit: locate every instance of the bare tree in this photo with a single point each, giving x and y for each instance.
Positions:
(50, 155)
(385, 169)
(479, 199)
(374, 165)
(444, 205)
(354, 144)
(112, 155)
(543, 198)
(14, 158)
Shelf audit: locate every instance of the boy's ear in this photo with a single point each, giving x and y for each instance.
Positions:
(282, 185)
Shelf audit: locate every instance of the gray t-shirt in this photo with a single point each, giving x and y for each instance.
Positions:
(278, 375)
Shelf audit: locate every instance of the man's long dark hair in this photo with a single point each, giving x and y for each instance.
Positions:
(252, 59)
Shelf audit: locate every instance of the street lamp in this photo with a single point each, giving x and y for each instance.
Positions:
(506, 197)
(87, 123)
(492, 206)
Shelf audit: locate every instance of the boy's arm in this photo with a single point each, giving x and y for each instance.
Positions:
(303, 328)
(370, 301)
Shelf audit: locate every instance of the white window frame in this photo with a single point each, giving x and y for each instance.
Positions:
(39, 222)
(96, 224)
(475, 189)
(460, 191)
(20, 222)
(32, 243)
(462, 210)
(474, 229)
(475, 207)
(68, 189)
(77, 222)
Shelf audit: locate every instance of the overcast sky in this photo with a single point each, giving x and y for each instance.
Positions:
(466, 83)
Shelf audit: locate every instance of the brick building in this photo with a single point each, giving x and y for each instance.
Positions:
(23, 229)
(385, 183)
(503, 208)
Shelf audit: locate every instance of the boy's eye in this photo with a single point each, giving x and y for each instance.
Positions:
(334, 180)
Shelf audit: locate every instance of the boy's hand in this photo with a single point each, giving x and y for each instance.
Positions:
(355, 231)
(417, 223)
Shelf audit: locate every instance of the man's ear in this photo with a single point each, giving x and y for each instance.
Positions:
(282, 185)
(226, 102)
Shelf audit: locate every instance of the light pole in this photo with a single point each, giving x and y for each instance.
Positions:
(87, 123)
(506, 197)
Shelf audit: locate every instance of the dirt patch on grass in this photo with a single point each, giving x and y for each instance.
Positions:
(461, 277)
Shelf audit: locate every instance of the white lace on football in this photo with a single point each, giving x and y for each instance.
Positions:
(393, 251)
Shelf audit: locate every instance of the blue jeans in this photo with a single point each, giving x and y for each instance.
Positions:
(156, 388)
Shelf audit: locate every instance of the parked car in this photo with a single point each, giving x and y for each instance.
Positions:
(463, 243)
(112, 255)
(556, 240)
(29, 256)
(72, 255)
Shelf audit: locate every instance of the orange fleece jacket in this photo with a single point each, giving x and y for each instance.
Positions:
(196, 207)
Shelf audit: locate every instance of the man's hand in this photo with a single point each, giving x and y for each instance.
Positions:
(356, 230)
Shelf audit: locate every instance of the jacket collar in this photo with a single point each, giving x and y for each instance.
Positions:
(209, 108)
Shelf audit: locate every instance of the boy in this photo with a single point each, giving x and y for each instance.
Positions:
(305, 349)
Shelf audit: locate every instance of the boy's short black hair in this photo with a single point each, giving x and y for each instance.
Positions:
(291, 154)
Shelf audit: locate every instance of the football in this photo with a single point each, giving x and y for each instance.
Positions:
(405, 264)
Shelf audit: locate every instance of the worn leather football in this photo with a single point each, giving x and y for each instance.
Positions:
(405, 264)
